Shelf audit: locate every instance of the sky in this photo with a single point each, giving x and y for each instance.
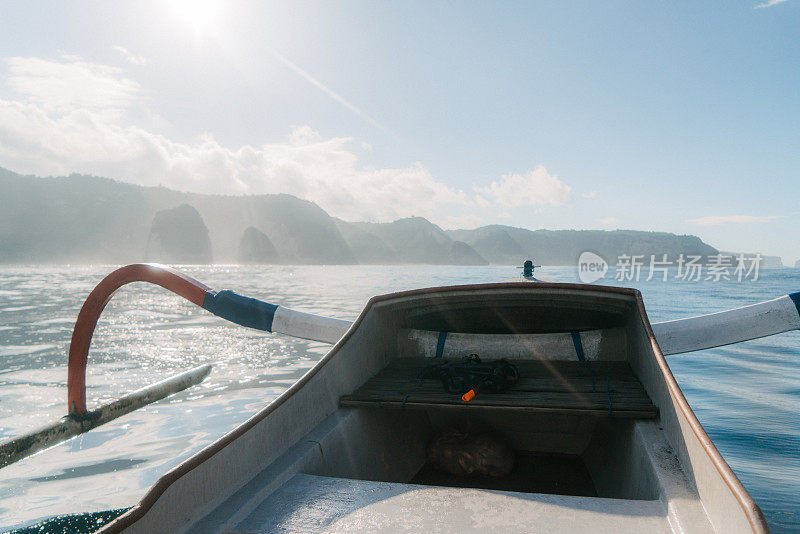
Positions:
(680, 117)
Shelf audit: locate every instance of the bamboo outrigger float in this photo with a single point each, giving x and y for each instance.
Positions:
(609, 441)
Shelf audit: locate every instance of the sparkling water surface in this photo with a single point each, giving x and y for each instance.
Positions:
(746, 396)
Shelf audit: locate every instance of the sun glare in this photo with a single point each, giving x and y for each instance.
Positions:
(199, 13)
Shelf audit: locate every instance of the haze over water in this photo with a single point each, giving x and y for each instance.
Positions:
(747, 396)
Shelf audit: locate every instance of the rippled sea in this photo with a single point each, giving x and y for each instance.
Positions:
(746, 396)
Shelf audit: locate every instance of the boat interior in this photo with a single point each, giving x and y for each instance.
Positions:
(597, 440)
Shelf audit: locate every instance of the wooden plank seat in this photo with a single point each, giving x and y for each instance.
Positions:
(603, 388)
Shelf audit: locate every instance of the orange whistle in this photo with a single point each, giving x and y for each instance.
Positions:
(468, 396)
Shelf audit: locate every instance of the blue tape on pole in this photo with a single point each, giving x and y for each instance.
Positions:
(440, 344)
(576, 341)
(796, 299)
(241, 310)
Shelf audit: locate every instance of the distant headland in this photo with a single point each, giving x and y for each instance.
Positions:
(87, 219)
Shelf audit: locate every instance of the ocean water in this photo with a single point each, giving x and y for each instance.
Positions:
(747, 396)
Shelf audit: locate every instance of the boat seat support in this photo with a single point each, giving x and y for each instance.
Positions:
(601, 388)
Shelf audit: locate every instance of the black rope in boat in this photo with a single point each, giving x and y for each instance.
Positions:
(471, 376)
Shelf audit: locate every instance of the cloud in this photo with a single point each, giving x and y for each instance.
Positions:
(70, 85)
(769, 3)
(69, 119)
(714, 220)
(608, 221)
(590, 194)
(535, 187)
(324, 171)
(131, 57)
(480, 201)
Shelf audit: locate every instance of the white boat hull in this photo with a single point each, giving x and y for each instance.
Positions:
(306, 463)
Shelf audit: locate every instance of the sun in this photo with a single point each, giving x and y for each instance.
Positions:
(201, 14)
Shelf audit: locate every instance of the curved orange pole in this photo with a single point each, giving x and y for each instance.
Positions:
(168, 278)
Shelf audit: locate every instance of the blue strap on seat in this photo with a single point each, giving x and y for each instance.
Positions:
(578, 344)
(576, 341)
(440, 344)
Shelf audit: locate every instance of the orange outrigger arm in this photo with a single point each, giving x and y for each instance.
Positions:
(244, 311)
(170, 279)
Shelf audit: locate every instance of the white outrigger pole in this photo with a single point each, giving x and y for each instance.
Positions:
(67, 427)
(674, 337)
(727, 327)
